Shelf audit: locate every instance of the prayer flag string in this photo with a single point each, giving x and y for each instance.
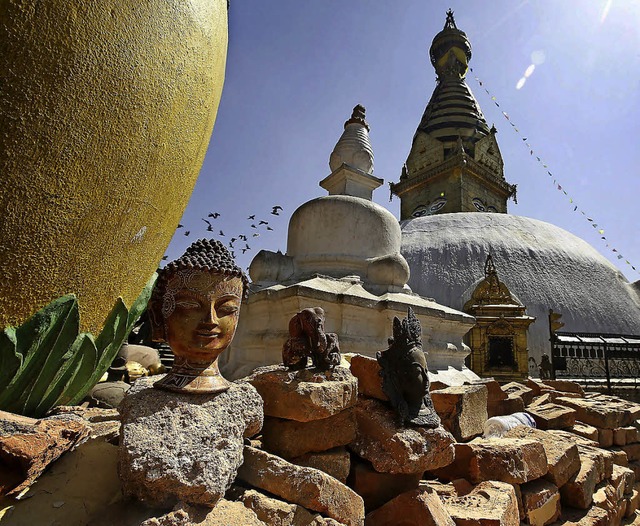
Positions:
(556, 184)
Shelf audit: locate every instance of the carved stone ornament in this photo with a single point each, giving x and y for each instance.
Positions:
(195, 308)
(404, 374)
(307, 339)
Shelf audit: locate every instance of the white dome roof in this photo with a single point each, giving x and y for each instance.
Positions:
(542, 264)
(341, 225)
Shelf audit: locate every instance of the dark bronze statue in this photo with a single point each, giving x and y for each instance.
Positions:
(404, 374)
(307, 339)
(545, 367)
(194, 308)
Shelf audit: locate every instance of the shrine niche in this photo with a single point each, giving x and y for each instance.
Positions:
(498, 341)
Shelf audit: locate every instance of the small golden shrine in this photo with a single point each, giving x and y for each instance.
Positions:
(498, 341)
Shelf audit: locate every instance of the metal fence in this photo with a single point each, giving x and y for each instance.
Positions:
(581, 355)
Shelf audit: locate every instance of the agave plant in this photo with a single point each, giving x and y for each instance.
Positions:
(46, 361)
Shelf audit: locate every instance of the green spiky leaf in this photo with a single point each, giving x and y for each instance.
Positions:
(34, 340)
(107, 344)
(82, 353)
(60, 353)
(45, 362)
(87, 354)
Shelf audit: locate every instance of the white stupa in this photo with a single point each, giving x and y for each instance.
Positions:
(343, 254)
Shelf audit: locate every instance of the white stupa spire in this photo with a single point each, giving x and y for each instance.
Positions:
(351, 160)
(353, 148)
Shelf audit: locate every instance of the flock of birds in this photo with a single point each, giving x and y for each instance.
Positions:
(235, 242)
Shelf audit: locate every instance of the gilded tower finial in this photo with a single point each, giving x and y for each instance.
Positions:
(490, 268)
(450, 23)
(490, 290)
(450, 50)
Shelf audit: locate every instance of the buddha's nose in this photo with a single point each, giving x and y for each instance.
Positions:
(211, 317)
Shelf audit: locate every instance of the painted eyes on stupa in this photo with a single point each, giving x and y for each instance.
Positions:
(481, 207)
(428, 209)
(438, 204)
(420, 211)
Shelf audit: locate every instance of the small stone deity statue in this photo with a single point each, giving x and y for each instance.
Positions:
(404, 374)
(307, 339)
(194, 308)
(545, 367)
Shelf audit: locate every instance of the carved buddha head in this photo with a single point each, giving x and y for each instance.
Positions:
(195, 308)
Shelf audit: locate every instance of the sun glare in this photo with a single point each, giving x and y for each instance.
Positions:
(605, 11)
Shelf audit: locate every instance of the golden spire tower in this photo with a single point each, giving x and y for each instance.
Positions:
(454, 164)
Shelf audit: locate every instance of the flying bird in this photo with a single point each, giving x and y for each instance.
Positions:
(215, 215)
(253, 226)
(233, 239)
(263, 222)
(256, 235)
(209, 228)
(275, 210)
(252, 217)
(187, 232)
(206, 221)
(164, 258)
(243, 237)
(221, 233)
(180, 226)
(269, 228)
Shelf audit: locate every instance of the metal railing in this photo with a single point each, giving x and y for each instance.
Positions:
(582, 355)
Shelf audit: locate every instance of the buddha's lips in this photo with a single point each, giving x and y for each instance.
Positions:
(207, 334)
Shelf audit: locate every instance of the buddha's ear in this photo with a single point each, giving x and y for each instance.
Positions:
(157, 321)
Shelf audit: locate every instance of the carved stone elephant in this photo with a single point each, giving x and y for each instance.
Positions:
(307, 339)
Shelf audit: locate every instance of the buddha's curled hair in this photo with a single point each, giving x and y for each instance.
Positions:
(206, 255)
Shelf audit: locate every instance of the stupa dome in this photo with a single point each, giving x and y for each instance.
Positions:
(340, 235)
(544, 265)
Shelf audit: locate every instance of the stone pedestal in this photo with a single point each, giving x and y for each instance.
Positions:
(393, 448)
(181, 446)
(304, 395)
(308, 413)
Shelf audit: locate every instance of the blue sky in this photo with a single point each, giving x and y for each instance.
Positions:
(295, 70)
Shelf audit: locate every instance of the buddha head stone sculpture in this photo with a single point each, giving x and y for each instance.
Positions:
(194, 308)
(404, 374)
(307, 339)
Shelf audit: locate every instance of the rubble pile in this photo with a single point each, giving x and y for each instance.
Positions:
(577, 467)
(332, 451)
